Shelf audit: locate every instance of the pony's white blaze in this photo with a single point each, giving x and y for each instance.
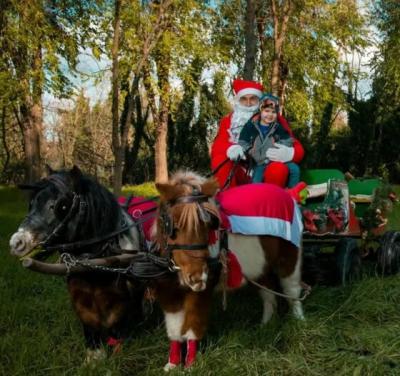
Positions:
(200, 285)
(21, 242)
(250, 254)
(194, 284)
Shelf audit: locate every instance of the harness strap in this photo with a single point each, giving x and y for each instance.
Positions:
(84, 243)
(189, 199)
(128, 202)
(187, 247)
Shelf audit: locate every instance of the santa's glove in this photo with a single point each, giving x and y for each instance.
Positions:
(280, 153)
(235, 152)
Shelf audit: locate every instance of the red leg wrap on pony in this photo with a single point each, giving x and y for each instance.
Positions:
(175, 352)
(191, 352)
(276, 173)
(115, 344)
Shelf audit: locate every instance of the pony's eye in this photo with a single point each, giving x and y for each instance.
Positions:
(51, 207)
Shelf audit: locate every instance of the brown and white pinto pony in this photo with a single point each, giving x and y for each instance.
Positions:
(186, 301)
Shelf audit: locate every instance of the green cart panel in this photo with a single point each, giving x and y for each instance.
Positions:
(363, 186)
(318, 176)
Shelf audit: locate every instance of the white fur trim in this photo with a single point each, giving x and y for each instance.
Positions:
(248, 90)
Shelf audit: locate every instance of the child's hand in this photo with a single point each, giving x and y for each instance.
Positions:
(235, 152)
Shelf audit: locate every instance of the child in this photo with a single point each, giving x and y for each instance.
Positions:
(260, 134)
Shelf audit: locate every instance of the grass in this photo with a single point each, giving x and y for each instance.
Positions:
(348, 331)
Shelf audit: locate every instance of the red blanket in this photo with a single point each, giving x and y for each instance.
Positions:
(139, 209)
(261, 209)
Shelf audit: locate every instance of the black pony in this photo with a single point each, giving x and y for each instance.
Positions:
(71, 213)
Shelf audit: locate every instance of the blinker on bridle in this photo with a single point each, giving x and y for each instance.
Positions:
(168, 224)
(77, 205)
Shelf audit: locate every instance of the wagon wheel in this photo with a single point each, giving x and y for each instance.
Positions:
(311, 273)
(348, 260)
(389, 252)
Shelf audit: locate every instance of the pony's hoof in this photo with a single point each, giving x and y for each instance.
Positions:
(298, 314)
(93, 356)
(170, 366)
(300, 317)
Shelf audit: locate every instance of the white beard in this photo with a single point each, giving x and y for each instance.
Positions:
(241, 115)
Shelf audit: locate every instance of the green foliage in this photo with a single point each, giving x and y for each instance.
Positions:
(201, 48)
(146, 190)
(190, 134)
(374, 122)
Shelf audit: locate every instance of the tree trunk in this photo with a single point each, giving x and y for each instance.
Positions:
(149, 43)
(5, 145)
(281, 20)
(162, 121)
(32, 134)
(284, 73)
(32, 119)
(116, 140)
(250, 41)
(132, 153)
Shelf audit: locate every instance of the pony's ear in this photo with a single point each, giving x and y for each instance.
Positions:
(49, 170)
(210, 187)
(167, 191)
(76, 175)
(170, 192)
(76, 171)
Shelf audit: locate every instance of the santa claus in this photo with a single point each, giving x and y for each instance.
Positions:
(225, 150)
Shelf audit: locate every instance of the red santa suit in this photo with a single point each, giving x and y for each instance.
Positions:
(275, 173)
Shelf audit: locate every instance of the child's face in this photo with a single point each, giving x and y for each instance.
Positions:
(268, 115)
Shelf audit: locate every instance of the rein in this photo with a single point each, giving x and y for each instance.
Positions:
(97, 239)
(232, 171)
(306, 288)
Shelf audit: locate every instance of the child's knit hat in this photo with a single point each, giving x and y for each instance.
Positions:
(269, 100)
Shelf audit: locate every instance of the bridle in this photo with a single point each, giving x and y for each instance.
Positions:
(78, 208)
(78, 205)
(169, 229)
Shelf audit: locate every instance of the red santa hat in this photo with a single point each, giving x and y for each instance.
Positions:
(242, 87)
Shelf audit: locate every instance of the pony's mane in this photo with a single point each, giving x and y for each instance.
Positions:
(187, 178)
(189, 217)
